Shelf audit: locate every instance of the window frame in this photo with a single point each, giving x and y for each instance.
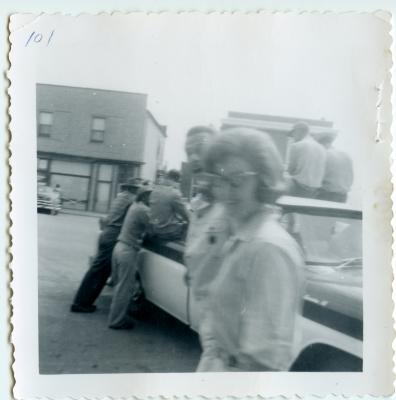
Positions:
(40, 125)
(94, 132)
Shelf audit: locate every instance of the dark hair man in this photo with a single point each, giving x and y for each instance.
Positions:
(338, 176)
(306, 162)
(171, 178)
(173, 175)
(100, 269)
(196, 139)
(208, 229)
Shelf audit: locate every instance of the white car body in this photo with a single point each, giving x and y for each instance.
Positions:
(332, 321)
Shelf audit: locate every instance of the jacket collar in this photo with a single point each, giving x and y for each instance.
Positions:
(252, 227)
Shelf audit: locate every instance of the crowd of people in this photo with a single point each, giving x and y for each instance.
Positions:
(243, 269)
(138, 211)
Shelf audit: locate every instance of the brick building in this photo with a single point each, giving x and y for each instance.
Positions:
(89, 141)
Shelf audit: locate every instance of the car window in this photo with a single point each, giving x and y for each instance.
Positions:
(326, 239)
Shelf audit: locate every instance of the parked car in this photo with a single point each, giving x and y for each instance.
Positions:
(48, 199)
(330, 235)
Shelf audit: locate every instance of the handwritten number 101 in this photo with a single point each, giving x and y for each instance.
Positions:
(37, 37)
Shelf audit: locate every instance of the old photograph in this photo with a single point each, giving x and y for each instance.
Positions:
(202, 194)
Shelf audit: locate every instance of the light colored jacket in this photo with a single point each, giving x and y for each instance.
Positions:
(307, 160)
(338, 176)
(255, 301)
(207, 234)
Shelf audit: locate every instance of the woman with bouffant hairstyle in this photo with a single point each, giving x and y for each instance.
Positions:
(251, 323)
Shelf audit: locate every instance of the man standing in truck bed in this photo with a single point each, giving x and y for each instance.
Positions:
(306, 166)
(338, 177)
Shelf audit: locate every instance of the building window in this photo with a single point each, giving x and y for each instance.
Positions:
(105, 172)
(126, 171)
(42, 170)
(45, 120)
(42, 164)
(98, 129)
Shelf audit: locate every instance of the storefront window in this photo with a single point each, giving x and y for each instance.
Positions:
(70, 168)
(74, 190)
(105, 172)
(125, 172)
(102, 197)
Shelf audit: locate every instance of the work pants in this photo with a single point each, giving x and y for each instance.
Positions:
(100, 269)
(299, 190)
(126, 283)
(332, 196)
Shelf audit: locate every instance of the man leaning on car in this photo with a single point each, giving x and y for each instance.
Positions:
(100, 269)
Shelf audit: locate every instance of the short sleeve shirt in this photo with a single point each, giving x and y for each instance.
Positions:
(119, 208)
(338, 177)
(135, 225)
(307, 161)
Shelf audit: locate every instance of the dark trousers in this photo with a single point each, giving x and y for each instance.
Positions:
(100, 269)
(332, 196)
(299, 190)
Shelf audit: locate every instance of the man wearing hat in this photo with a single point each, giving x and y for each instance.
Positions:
(100, 269)
(338, 176)
(307, 159)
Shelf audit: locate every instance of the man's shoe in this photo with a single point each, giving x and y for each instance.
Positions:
(82, 309)
(139, 314)
(128, 324)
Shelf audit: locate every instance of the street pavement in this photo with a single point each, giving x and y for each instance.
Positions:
(71, 343)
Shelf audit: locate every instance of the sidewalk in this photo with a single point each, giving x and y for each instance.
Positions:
(82, 213)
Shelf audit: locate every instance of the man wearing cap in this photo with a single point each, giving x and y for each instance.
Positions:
(338, 176)
(100, 269)
(306, 165)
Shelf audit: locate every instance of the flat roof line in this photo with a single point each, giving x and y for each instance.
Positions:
(90, 88)
(278, 118)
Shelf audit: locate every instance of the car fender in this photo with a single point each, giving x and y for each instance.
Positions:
(314, 333)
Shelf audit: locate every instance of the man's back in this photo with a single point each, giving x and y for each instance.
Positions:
(307, 162)
(338, 176)
(118, 209)
(135, 225)
(168, 215)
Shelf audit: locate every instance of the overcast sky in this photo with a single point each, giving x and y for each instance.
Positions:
(196, 68)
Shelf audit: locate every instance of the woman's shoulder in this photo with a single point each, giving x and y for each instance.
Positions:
(273, 237)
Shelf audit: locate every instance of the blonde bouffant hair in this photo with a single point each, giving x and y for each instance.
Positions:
(258, 149)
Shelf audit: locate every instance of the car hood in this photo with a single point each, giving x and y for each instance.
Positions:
(336, 288)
